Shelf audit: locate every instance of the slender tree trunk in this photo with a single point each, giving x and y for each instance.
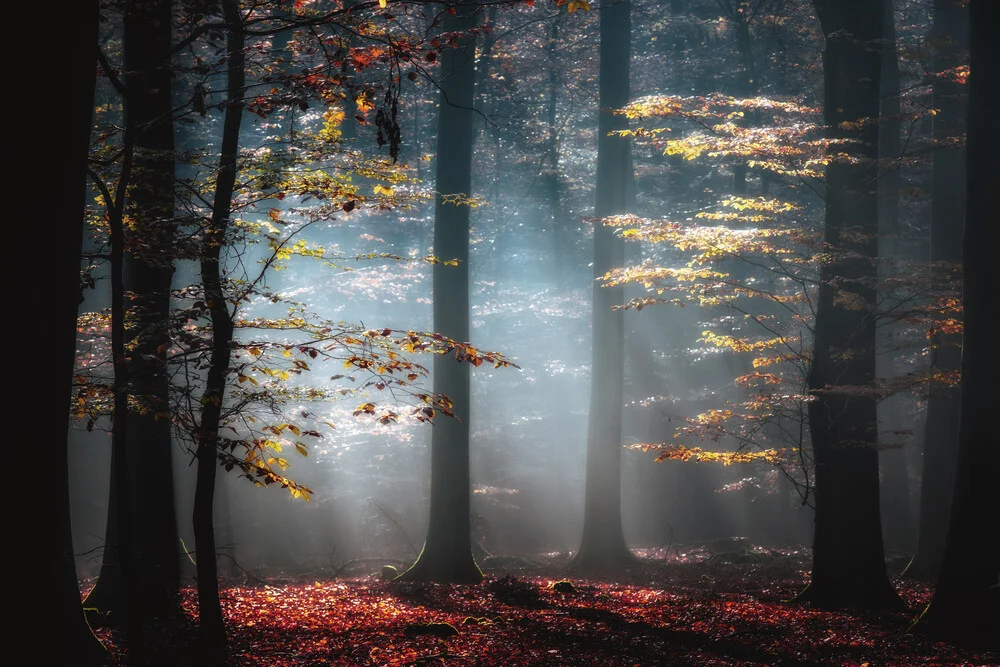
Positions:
(897, 519)
(349, 128)
(949, 42)
(848, 557)
(212, 630)
(602, 547)
(966, 602)
(75, 29)
(415, 131)
(447, 552)
(129, 603)
(550, 170)
(747, 84)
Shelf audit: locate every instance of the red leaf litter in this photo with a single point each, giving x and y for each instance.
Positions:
(689, 611)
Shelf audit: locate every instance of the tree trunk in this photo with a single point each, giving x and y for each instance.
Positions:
(603, 548)
(447, 553)
(966, 602)
(212, 630)
(897, 519)
(76, 29)
(848, 558)
(148, 271)
(949, 41)
(128, 602)
(747, 83)
(148, 275)
(553, 186)
(349, 128)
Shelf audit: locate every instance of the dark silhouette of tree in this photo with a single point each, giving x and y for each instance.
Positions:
(75, 29)
(848, 556)
(147, 273)
(949, 43)
(447, 552)
(966, 602)
(602, 547)
(897, 515)
(212, 631)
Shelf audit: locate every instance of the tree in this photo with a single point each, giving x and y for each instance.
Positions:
(966, 602)
(602, 546)
(848, 556)
(447, 552)
(76, 29)
(897, 516)
(949, 43)
(211, 628)
(147, 274)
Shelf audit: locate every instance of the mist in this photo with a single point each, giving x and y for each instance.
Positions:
(630, 301)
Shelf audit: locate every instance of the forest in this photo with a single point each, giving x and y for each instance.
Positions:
(513, 332)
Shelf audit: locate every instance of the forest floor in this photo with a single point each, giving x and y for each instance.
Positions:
(693, 607)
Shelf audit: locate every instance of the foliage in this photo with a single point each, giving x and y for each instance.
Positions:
(290, 185)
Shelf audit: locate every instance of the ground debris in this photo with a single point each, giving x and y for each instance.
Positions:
(683, 613)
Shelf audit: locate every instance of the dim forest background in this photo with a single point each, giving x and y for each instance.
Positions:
(540, 332)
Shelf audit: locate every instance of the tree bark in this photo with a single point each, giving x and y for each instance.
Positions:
(899, 530)
(212, 630)
(447, 553)
(949, 42)
(551, 175)
(966, 603)
(147, 275)
(848, 556)
(128, 603)
(747, 80)
(602, 547)
(77, 31)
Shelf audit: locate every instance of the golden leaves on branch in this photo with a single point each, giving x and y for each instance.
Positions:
(744, 344)
(683, 453)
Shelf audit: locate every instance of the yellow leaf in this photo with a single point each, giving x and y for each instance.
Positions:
(381, 3)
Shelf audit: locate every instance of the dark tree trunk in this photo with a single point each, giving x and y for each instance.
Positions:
(603, 548)
(848, 557)
(949, 43)
(897, 518)
(212, 630)
(966, 602)
(148, 270)
(128, 602)
(747, 81)
(349, 128)
(148, 275)
(552, 180)
(76, 30)
(447, 552)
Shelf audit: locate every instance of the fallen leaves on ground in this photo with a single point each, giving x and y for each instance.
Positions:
(687, 612)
